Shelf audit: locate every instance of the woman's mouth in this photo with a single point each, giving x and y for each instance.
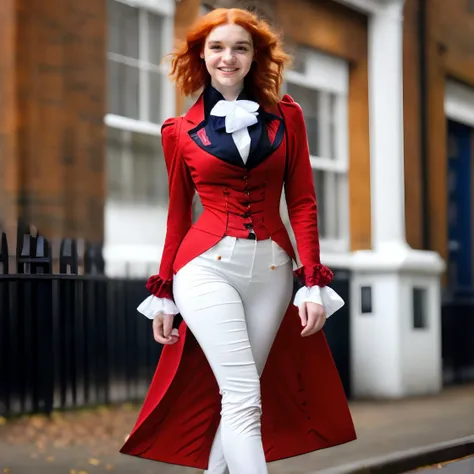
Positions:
(228, 70)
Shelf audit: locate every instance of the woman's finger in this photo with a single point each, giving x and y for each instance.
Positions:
(316, 318)
(158, 329)
(303, 314)
(321, 321)
(311, 321)
(167, 325)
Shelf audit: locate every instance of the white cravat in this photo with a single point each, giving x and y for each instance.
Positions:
(239, 115)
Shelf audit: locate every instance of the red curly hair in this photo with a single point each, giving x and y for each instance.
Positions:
(266, 74)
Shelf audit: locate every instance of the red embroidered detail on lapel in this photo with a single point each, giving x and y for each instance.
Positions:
(272, 128)
(203, 137)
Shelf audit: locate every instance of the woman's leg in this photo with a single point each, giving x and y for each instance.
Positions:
(213, 311)
(264, 305)
(265, 294)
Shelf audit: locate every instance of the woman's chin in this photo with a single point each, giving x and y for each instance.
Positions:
(231, 81)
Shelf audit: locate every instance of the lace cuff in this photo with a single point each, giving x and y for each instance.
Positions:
(314, 275)
(153, 305)
(159, 287)
(325, 296)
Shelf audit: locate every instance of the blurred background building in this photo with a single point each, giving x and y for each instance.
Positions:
(387, 89)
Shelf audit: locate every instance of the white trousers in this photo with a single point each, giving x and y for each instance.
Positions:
(233, 298)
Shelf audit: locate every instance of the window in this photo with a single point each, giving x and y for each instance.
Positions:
(140, 98)
(136, 76)
(136, 168)
(319, 84)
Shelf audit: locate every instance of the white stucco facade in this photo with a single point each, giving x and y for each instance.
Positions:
(394, 352)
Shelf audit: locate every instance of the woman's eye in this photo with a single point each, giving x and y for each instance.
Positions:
(215, 48)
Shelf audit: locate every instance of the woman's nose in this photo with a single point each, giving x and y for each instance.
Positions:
(228, 55)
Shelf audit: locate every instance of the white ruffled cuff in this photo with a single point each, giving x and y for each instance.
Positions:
(153, 305)
(325, 296)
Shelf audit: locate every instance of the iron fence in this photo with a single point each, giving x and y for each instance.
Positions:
(72, 337)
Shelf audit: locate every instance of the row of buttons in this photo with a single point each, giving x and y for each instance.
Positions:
(247, 214)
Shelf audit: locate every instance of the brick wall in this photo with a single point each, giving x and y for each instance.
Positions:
(52, 79)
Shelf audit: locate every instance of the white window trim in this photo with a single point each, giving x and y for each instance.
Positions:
(459, 103)
(162, 7)
(367, 6)
(331, 74)
(132, 125)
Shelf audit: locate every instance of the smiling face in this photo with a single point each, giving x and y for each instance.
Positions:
(228, 54)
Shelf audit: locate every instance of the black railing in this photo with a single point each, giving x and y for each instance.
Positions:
(73, 338)
(458, 338)
(69, 340)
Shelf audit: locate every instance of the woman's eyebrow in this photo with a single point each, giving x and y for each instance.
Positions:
(248, 43)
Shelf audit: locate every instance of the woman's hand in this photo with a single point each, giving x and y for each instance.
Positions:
(163, 330)
(313, 318)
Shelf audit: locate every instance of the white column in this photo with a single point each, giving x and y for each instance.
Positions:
(386, 126)
(393, 353)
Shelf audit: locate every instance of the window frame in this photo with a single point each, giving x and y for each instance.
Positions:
(166, 9)
(329, 75)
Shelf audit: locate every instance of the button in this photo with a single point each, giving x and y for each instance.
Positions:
(247, 192)
(272, 267)
(219, 257)
(246, 203)
(252, 236)
(245, 178)
(248, 226)
(245, 215)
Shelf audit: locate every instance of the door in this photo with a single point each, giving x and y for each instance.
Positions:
(460, 255)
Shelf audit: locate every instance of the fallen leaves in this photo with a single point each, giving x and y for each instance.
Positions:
(97, 433)
(101, 427)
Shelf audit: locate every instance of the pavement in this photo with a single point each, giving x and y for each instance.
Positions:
(87, 441)
(463, 466)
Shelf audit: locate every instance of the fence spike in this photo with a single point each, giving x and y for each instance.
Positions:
(68, 256)
(4, 259)
(94, 263)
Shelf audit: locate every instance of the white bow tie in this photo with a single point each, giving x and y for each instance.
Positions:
(239, 114)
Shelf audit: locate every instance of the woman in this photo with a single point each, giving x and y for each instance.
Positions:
(230, 274)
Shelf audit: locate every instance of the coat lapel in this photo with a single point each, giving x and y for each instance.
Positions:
(210, 135)
(272, 131)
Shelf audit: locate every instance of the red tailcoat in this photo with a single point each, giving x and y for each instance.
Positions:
(303, 402)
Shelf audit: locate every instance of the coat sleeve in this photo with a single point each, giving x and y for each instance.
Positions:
(301, 199)
(181, 192)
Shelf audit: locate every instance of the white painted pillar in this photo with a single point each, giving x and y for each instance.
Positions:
(395, 290)
(386, 126)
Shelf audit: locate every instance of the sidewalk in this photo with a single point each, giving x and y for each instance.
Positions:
(87, 442)
(464, 466)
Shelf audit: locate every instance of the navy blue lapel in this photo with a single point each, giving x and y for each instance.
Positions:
(210, 134)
